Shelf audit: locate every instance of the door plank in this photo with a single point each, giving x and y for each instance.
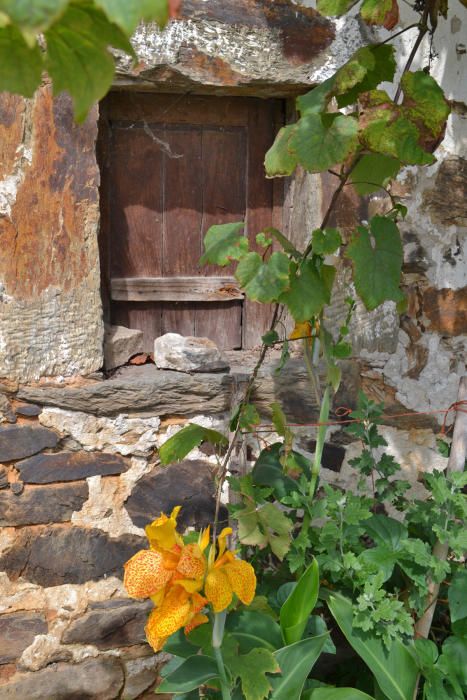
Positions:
(204, 289)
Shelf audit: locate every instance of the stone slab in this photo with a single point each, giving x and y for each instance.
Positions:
(17, 632)
(69, 466)
(28, 409)
(36, 505)
(120, 344)
(110, 625)
(19, 441)
(57, 555)
(189, 483)
(94, 679)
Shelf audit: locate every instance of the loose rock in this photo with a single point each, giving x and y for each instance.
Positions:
(111, 624)
(120, 344)
(17, 632)
(18, 441)
(188, 354)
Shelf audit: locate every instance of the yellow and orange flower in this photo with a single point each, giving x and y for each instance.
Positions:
(181, 579)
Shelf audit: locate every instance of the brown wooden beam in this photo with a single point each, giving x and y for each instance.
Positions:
(175, 289)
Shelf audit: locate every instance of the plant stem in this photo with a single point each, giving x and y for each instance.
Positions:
(422, 30)
(323, 417)
(217, 637)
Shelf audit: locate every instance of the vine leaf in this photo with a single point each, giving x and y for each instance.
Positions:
(278, 161)
(263, 281)
(316, 99)
(425, 102)
(309, 291)
(32, 17)
(265, 525)
(373, 171)
(77, 45)
(128, 14)
(21, 65)
(325, 242)
(384, 12)
(368, 67)
(251, 669)
(334, 8)
(321, 141)
(377, 256)
(223, 243)
(192, 435)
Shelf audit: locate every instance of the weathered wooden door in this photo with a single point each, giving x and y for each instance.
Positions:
(172, 166)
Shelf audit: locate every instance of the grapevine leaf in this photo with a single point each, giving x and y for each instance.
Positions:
(77, 46)
(376, 254)
(263, 281)
(223, 243)
(368, 67)
(424, 100)
(21, 65)
(309, 290)
(278, 161)
(384, 12)
(321, 141)
(372, 171)
(251, 669)
(186, 439)
(334, 8)
(326, 242)
(32, 16)
(316, 99)
(128, 14)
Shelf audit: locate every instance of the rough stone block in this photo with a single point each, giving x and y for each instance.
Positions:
(111, 624)
(28, 409)
(141, 675)
(94, 679)
(189, 484)
(36, 505)
(17, 632)
(57, 555)
(446, 310)
(188, 354)
(19, 441)
(69, 466)
(120, 344)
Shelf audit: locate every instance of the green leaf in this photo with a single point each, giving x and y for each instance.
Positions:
(365, 70)
(251, 668)
(385, 530)
(193, 672)
(424, 100)
(335, 694)
(265, 525)
(334, 8)
(263, 281)
(78, 58)
(179, 645)
(326, 242)
(297, 608)
(394, 669)
(453, 660)
(309, 290)
(278, 161)
(283, 241)
(270, 338)
(186, 439)
(128, 14)
(295, 662)
(253, 629)
(316, 99)
(321, 141)
(268, 471)
(372, 172)
(457, 596)
(279, 419)
(32, 16)
(395, 136)
(223, 243)
(377, 257)
(378, 12)
(21, 65)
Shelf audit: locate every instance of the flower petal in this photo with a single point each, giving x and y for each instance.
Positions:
(222, 541)
(192, 563)
(162, 532)
(145, 574)
(218, 590)
(242, 578)
(156, 642)
(196, 621)
(173, 613)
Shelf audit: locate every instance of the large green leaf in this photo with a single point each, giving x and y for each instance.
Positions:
(279, 161)
(316, 100)
(326, 242)
(20, 65)
(334, 694)
(394, 670)
(299, 605)
(425, 101)
(263, 281)
(453, 660)
(128, 14)
(384, 12)
(377, 257)
(457, 596)
(193, 672)
(265, 525)
(251, 669)
(253, 629)
(373, 171)
(186, 439)
(310, 289)
(268, 471)
(386, 131)
(78, 57)
(364, 71)
(32, 16)
(295, 662)
(334, 8)
(224, 243)
(320, 141)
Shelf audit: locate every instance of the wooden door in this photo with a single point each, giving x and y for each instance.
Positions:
(172, 166)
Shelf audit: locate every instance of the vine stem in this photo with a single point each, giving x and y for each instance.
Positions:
(422, 30)
(217, 637)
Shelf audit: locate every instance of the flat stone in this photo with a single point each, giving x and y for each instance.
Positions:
(110, 625)
(17, 632)
(446, 310)
(37, 505)
(120, 344)
(189, 483)
(140, 676)
(19, 441)
(7, 415)
(188, 354)
(28, 409)
(57, 555)
(69, 466)
(143, 388)
(94, 679)
(3, 478)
